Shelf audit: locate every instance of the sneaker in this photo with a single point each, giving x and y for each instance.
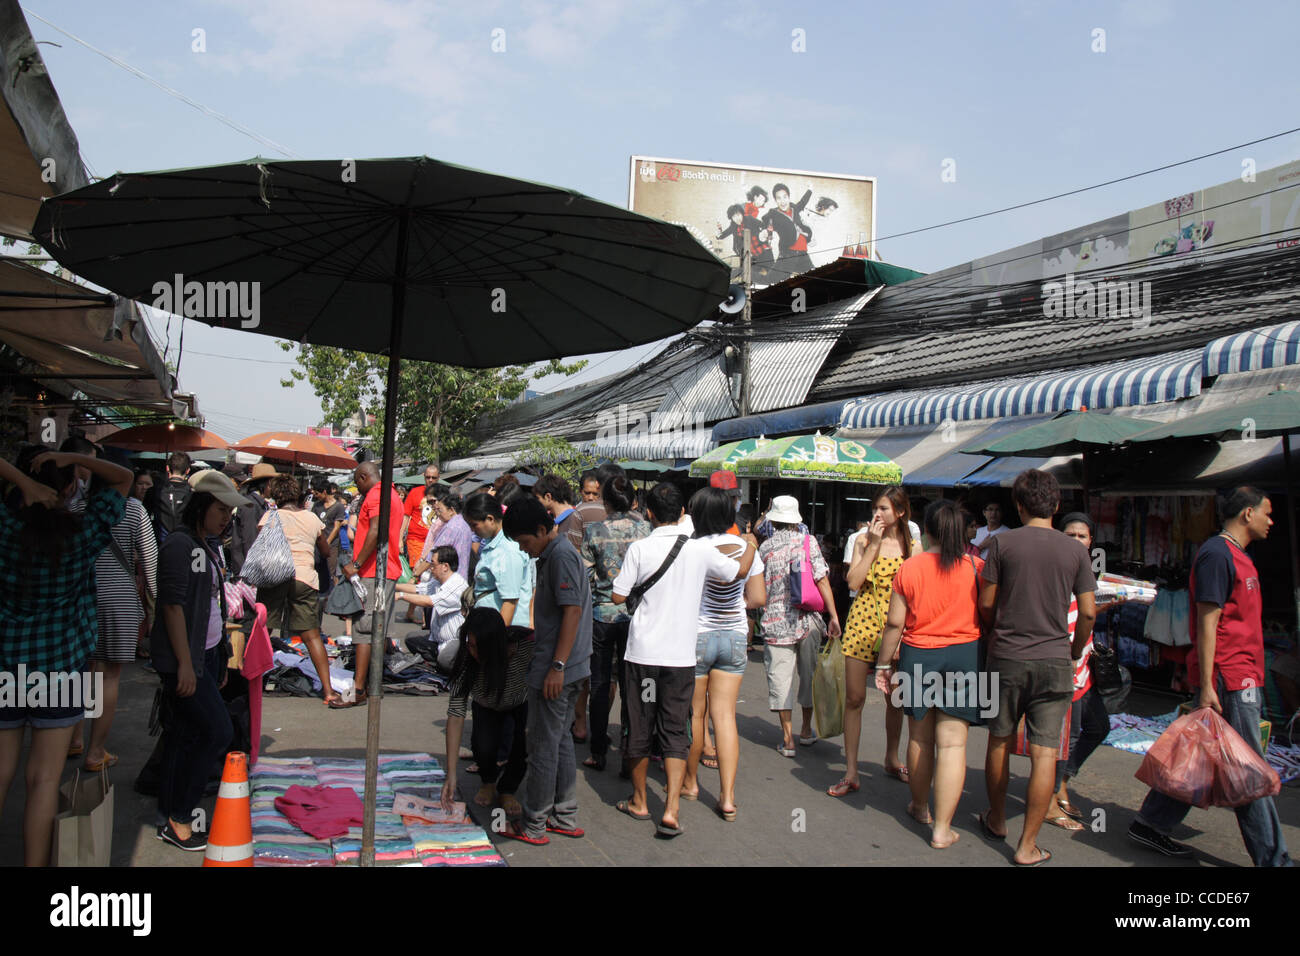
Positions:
(196, 841)
(1153, 839)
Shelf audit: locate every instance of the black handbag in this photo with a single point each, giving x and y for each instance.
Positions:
(1104, 665)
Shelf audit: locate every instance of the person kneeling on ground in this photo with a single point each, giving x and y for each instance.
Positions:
(442, 644)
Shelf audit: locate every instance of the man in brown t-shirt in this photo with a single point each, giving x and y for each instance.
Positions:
(1024, 602)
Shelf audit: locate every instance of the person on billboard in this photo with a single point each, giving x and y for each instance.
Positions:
(757, 200)
(758, 234)
(785, 221)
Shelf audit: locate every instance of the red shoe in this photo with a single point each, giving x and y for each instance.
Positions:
(565, 831)
(515, 831)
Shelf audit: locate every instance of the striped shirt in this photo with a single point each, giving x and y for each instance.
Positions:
(512, 695)
(722, 604)
(1082, 674)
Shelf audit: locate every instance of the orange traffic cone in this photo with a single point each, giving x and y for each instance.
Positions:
(231, 841)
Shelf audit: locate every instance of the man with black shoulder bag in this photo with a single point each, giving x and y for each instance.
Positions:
(661, 580)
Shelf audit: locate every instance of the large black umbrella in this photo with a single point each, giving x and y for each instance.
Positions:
(413, 258)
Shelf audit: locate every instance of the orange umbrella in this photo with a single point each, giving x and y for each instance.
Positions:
(297, 449)
(165, 438)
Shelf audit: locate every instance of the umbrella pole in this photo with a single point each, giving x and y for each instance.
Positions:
(379, 618)
(1290, 527)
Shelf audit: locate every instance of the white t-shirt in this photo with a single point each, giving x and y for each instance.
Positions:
(663, 629)
(982, 536)
(447, 616)
(722, 605)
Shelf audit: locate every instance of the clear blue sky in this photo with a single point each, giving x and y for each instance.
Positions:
(1013, 92)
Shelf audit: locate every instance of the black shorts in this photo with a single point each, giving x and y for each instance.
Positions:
(658, 706)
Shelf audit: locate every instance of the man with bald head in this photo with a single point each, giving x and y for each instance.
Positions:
(366, 548)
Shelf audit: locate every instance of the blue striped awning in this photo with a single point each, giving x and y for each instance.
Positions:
(1270, 347)
(1147, 381)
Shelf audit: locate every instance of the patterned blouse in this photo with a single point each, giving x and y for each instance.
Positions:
(783, 624)
(604, 545)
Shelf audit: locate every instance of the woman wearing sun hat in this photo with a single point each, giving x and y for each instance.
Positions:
(792, 634)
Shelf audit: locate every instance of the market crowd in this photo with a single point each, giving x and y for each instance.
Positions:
(541, 605)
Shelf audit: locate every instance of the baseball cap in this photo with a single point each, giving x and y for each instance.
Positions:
(219, 486)
(726, 480)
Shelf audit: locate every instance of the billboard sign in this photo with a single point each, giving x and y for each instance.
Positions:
(797, 220)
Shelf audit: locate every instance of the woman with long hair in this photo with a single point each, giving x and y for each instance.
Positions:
(878, 553)
(933, 611)
(721, 648)
(48, 623)
(294, 606)
(491, 668)
(190, 651)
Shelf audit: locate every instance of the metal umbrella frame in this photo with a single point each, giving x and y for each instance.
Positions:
(511, 270)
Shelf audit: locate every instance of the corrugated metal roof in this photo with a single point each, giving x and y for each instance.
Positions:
(781, 370)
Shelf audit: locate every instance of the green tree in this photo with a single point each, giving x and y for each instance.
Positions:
(551, 454)
(438, 406)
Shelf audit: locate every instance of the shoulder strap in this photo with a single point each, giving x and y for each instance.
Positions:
(651, 581)
(121, 556)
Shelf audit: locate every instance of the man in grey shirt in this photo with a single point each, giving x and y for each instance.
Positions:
(561, 662)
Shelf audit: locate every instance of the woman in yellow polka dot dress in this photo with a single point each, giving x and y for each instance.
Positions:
(877, 555)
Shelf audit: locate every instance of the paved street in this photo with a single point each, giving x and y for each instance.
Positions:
(775, 795)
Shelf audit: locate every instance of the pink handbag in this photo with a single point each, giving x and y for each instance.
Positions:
(803, 587)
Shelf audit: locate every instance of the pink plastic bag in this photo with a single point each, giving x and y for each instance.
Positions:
(809, 597)
(1201, 760)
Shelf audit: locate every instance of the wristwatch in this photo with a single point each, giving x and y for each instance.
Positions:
(557, 666)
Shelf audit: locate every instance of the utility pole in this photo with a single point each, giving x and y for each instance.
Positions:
(746, 275)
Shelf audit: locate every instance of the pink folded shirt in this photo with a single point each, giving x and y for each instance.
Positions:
(321, 811)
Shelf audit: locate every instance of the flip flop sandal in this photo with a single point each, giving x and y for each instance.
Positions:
(624, 806)
(1047, 855)
(465, 753)
(710, 761)
(728, 815)
(986, 830)
(843, 788)
(514, 831)
(784, 751)
(76, 750)
(1070, 810)
(1065, 823)
(668, 830)
(108, 761)
(808, 741)
(573, 832)
(899, 773)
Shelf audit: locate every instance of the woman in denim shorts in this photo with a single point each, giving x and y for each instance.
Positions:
(721, 648)
(48, 623)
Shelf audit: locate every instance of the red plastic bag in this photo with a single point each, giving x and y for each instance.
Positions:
(1201, 760)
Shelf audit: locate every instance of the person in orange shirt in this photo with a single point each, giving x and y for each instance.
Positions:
(934, 612)
(415, 528)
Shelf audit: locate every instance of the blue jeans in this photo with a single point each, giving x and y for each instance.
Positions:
(551, 785)
(726, 651)
(1261, 830)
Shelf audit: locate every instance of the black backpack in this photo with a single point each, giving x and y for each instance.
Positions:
(171, 504)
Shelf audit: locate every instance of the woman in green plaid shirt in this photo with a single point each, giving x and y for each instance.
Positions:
(47, 617)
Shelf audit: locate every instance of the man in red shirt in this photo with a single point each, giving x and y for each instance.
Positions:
(1227, 663)
(365, 563)
(415, 529)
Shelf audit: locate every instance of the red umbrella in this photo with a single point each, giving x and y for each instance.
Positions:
(297, 449)
(165, 438)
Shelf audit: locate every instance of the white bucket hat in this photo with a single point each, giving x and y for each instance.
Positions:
(784, 510)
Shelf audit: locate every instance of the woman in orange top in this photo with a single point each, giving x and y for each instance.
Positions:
(933, 610)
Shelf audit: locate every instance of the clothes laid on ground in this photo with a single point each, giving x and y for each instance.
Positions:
(277, 842)
(321, 811)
